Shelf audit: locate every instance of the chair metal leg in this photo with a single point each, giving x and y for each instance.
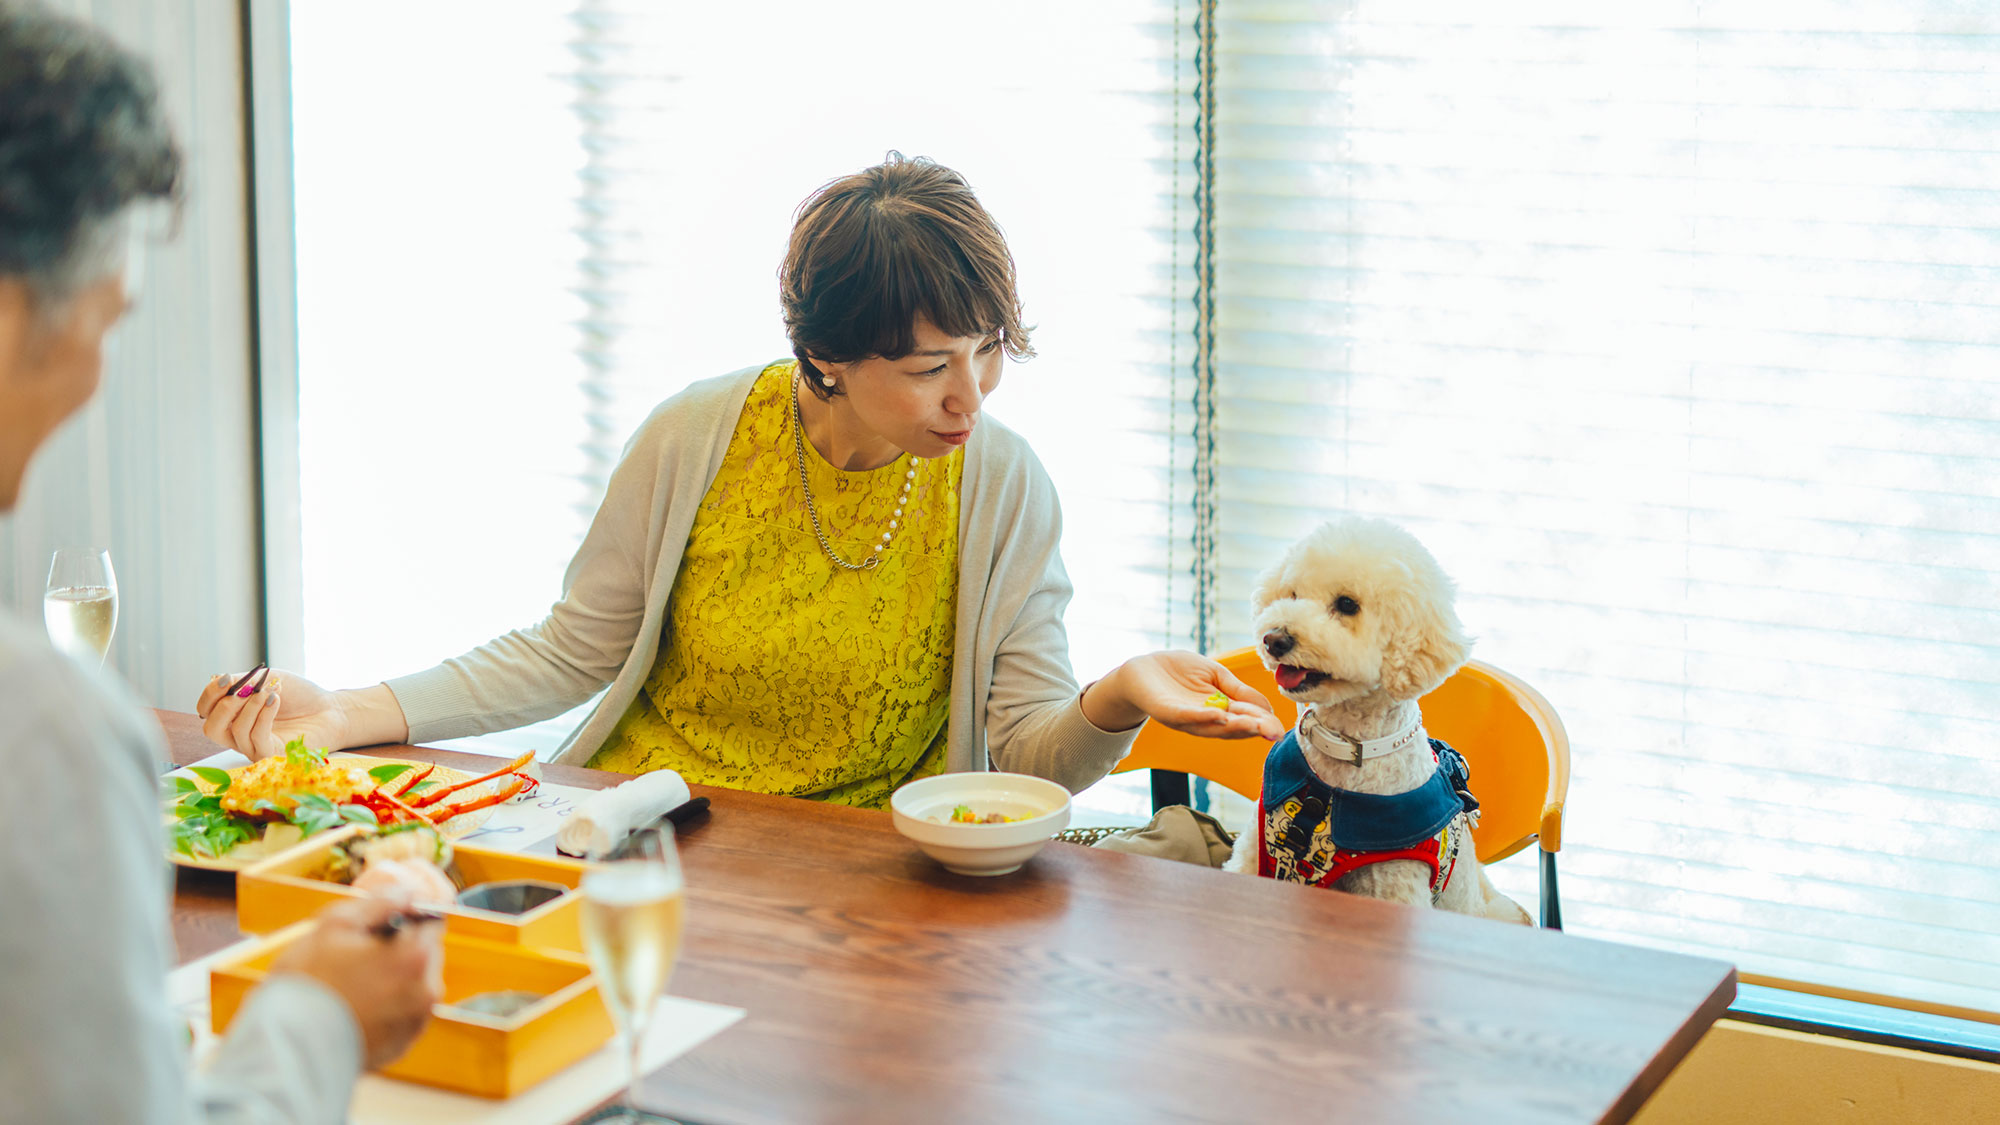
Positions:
(1169, 788)
(1552, 917)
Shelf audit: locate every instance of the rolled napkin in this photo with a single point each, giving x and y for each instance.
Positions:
(603, 820)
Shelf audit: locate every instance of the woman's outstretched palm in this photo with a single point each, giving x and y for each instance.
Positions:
(1175, 688)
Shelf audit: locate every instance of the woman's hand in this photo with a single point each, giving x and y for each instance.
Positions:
(1173, 688)
(291, 707)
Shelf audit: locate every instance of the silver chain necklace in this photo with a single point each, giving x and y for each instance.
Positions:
(812, 509)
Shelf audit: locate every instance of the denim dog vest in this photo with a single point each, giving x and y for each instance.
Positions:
(1310, 832)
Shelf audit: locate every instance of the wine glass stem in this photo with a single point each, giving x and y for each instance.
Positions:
(633, 1042)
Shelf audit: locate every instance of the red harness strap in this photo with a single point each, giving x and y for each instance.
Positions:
(1328, 870)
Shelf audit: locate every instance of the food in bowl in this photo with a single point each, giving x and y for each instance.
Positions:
(963, 814)
(399, 843)
(1035, 809)
(410, 858)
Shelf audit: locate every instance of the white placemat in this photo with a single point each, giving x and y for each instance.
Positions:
(679, 1026)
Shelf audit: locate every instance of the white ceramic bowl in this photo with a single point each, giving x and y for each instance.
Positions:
(981, 849)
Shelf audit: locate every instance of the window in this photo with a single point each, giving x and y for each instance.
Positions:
(1667, 327)
(1671, 330)
(508, 256)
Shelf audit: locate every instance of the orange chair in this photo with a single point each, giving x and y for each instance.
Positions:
(1510, 736)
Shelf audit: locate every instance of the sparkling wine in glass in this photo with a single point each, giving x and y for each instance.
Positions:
(81, 604)
(632, 916)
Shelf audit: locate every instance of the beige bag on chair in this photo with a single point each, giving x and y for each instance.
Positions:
(1176, 832)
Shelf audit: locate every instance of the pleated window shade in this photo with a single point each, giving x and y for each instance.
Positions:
(1671, 328)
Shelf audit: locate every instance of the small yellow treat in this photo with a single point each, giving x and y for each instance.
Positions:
(1218, 701)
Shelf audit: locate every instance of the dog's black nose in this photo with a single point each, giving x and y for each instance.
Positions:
(1278, 642)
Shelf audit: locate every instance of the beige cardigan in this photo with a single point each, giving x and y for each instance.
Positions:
(1013, 696)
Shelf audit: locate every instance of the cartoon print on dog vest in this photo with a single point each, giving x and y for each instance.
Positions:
(1311, 832)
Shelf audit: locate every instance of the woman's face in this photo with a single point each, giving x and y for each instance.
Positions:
(926, 403)
(48, 368)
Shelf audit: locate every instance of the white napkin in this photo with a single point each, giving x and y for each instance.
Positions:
(607, 816)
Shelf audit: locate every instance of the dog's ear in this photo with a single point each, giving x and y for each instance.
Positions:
(1266, 590)
(1424, 642)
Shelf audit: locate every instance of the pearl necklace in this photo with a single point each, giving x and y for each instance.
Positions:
(812, 509)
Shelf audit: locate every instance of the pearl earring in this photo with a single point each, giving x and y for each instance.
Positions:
(827, 379)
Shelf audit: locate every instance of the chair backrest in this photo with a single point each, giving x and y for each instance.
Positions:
(1510, 736)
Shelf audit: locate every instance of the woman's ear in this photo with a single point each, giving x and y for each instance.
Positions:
(830, 374)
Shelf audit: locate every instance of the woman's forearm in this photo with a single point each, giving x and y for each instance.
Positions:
(1108, 702)
(373, 716)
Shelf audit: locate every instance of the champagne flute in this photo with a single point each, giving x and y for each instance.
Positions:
(81, 604)
(632, 915)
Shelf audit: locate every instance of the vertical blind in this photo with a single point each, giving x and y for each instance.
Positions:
(1670, 327)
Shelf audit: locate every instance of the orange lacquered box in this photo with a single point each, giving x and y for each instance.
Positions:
(472, 1053)
(276, 892)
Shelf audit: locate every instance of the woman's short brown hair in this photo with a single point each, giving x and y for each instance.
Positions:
(872, 251)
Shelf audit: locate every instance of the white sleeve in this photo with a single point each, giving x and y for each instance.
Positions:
(87, 1032)
(292, 1054)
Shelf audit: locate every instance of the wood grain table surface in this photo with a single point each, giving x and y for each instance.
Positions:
(1098, 987)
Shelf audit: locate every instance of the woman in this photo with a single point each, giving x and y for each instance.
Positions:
(822, 577)
(86, 1029)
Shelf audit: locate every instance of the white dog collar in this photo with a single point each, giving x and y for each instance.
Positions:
(1335, 744)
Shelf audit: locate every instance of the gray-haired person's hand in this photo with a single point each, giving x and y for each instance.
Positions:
(389, 982)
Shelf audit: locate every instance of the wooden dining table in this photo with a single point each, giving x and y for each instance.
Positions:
(1094, 986)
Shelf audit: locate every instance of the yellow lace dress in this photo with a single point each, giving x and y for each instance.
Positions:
(781, 672)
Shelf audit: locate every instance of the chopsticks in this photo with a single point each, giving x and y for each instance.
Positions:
(395, 924)
(235, 688)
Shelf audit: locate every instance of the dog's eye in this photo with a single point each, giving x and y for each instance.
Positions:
(1346, 606)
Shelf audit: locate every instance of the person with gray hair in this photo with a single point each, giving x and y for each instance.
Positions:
(86, 1029)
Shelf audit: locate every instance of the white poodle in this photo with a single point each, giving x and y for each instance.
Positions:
(1357, 622)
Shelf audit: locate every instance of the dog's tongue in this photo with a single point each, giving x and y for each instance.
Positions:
(1290, 677)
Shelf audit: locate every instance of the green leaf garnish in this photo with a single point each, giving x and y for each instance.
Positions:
(297, 754)
(419, 787)
(185, 785)
(211, 834)
(358, 814)
(215, 777)
(390, 772)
